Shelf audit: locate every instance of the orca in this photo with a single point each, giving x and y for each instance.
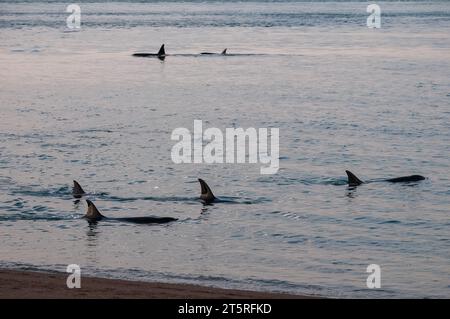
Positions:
(160, 55)
(93, 215)
(224, 52)
(77, 190)
(355, 181)
(206, 194)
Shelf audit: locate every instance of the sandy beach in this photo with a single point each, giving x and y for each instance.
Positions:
(15, 284)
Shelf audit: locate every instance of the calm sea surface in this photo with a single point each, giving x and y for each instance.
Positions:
(77, 105)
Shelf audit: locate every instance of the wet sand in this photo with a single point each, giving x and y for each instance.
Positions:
(18, 284)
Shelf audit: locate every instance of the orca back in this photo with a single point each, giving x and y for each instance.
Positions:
(405, 179)
(147, 220)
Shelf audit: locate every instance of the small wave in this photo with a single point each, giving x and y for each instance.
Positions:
(390, 222)
(242, 201)
(105, 196)
(288, 215)
(93, 130)
(33, 217)
(221, 199)
(57, 192)
(281, 181)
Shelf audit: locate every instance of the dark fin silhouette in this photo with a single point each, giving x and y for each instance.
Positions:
(352, 179)
(92, 213)
(406, 179)
(206, 194)
(224, 52)
(161, 51)
(77, 190)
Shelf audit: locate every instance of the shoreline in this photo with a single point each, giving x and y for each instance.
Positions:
(24, 284)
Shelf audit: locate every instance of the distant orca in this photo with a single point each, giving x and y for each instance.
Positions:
(160, 55)
(224, 52)
(206, 194)
(355, 181)
(77, 190)
(93, 215)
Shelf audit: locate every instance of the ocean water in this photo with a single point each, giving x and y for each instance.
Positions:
(77, 105)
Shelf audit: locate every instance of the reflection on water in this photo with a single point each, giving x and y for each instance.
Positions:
(92, 239)
(351, 191)
(76, 204)
(92, 233)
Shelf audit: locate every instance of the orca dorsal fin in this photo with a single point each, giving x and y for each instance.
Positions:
(77, 190)
(92, 211)
(161, 51)
(352, 179)
(224, 52)
(206, 193)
